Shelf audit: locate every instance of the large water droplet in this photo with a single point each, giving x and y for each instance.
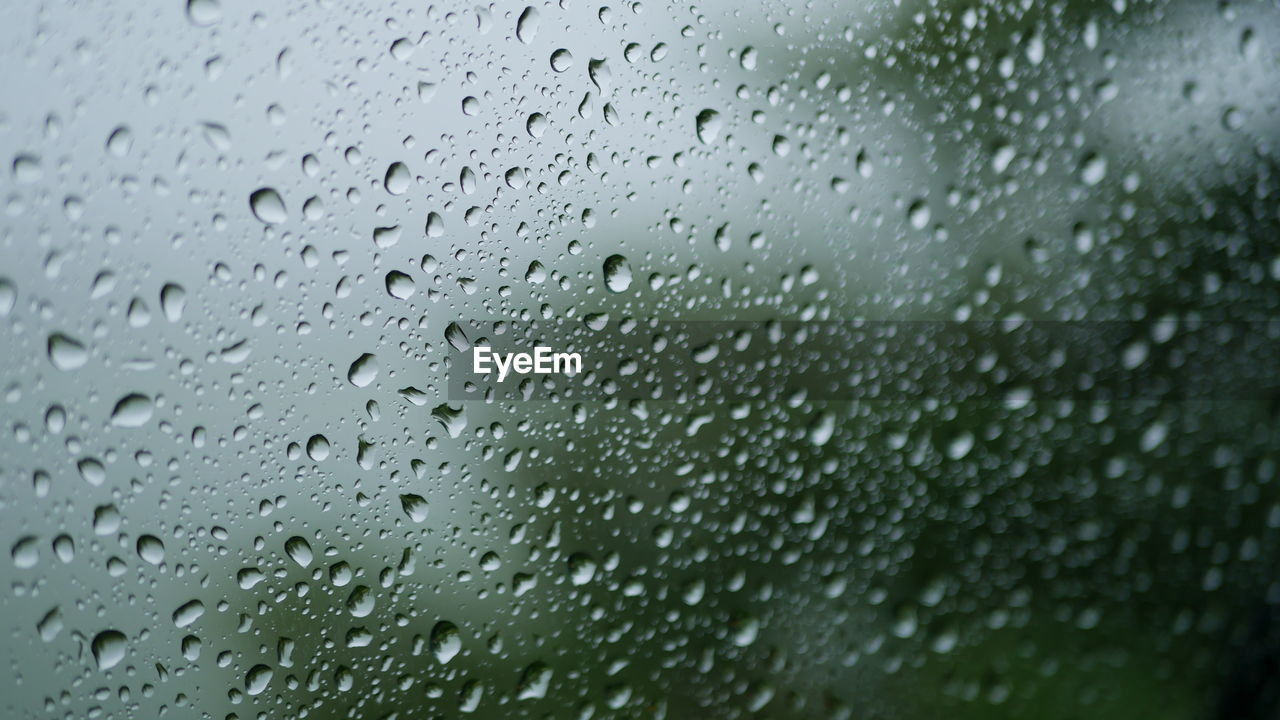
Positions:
(918, 214)
(527, 25)
(133, 410)
(151, 549)
(188, 613)
(26, 552)
(708, 124)
(204, 12)
(582, 568)
(299, 550)
(318, 448)
(398, 178)
(257, 679)
(435, 225)
(120, 141)
(66, 353)
(173, 299)
(360, 602)
(561, 60)
(617, 273)
(399, 285)
(415, 506)
(108, 647)
(268, 206)
(446, 641)
(363, 371)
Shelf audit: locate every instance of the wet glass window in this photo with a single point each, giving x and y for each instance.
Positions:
(897, 359)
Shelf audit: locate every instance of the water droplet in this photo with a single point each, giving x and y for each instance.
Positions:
(340, 574)
(92, 471)
(66, 353)
(108, 647)
(26, 552)
(318, 448)
(527, 25)
(536, 273)
(561, 60)
(133, 410)
(918, 214)
(268, 206)
(360, 602)
(402, 49)
(582, 569)
(446, 641)
(150, 549)
(708, 124)
(50, 625)
(386, 237)
(120, 141)
(399, 285)
(617, 273)
(534, 682)
(299, 550)
(744, 628)
(453, 420)
(415, 506)
(188, 613)
(257, 679)
(435, 225)
(64, 547)
(397, 179)
(536, 125)
(8, 296)
(601, 76)
(173, 299)
(960, 445)
(363, 371)
(1093, 169)
(470, 695)
(26, 169)
(106, 520)
(204, 12)
(247, 578)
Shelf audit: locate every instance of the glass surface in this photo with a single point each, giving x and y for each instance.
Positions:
(962, 313)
